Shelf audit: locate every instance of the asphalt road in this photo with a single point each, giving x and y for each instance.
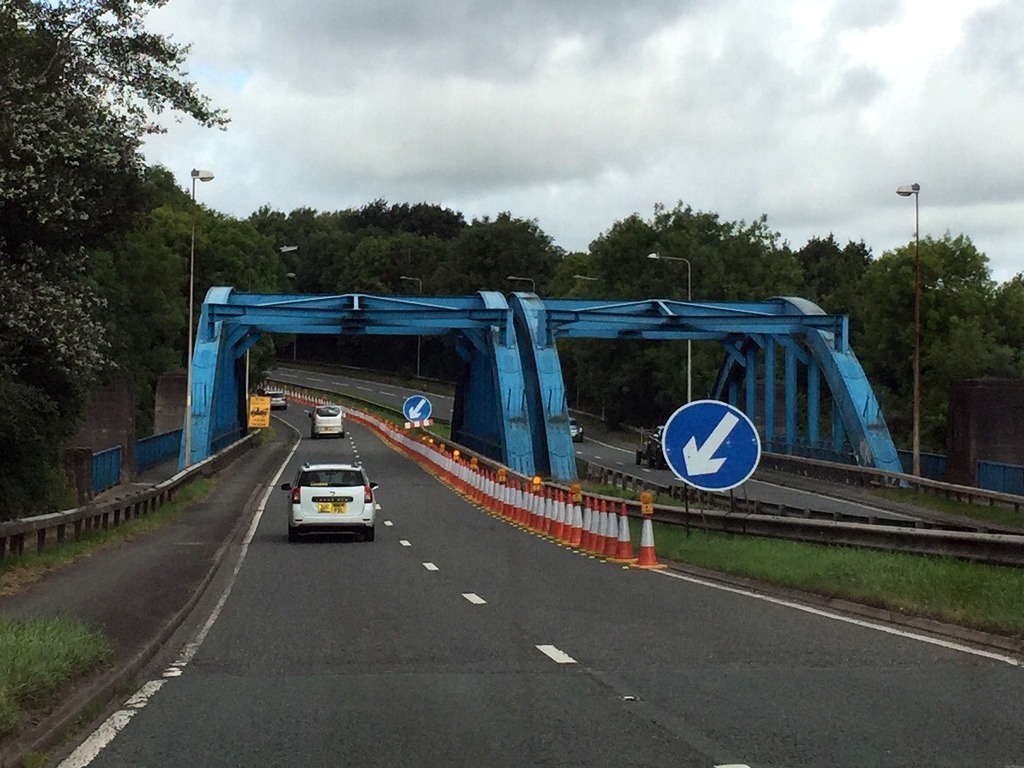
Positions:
(456, 639)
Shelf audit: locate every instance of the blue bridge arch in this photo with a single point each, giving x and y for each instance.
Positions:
(510, 401)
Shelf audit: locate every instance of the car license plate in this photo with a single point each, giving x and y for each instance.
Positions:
(331, 506)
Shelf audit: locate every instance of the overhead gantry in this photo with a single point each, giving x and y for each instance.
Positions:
(510, 401)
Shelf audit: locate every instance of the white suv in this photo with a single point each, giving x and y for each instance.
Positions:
(327, 498)
(327, 420)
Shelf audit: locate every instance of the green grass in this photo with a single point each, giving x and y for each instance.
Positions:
(29, 566)
(984, 597)
(982, 512)
(37, 657)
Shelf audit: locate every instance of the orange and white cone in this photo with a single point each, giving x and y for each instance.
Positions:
(585, 538)
(624, 546)
(576, 531)
(557, 524)
(648, 558)
(611, 542)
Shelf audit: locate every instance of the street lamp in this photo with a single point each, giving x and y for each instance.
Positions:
(201, 176)
(689, 296)
(295, 341)
(585, 277)
(533, 285)
(419, 338)
(906, 190)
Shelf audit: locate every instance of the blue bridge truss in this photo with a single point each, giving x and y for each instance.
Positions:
(510, 401)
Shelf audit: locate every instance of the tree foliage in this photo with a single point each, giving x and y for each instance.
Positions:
(78, 82)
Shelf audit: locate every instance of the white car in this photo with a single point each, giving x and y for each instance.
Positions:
(575, 430)
(327, 420)
(330, 498)
(278, 401)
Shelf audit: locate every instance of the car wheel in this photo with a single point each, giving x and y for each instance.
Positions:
(342, 434)
(368, 534)
(293, 535)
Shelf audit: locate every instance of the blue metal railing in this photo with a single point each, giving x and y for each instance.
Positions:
(1004, 478)
(106, 468)
(153, 450)
(933, 465)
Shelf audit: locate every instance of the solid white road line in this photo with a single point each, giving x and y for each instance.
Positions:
(430, 566)
(475, 599)
(557, 656)
(849, 619)
(90, 749)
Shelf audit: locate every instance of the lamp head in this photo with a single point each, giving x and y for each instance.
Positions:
(906, 190)
(202, 175)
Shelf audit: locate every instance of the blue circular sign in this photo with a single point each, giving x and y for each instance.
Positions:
(417, 408)
(711, 445)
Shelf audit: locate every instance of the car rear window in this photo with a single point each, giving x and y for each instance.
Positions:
(335, 478)
(328, 410)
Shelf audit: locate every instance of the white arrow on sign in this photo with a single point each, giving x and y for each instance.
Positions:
(698, 460)
(416, 410)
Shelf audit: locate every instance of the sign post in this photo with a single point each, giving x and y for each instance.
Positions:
(417, 410)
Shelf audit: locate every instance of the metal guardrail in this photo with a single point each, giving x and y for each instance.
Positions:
(869, 477)
(15, 534)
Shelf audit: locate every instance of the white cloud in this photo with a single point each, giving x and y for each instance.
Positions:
(579, 114)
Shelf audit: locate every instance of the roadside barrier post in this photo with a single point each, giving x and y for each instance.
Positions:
(648, 558)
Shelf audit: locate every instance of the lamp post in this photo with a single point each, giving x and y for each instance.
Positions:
(906, 190)
(419, 338)
(689, 297)
(295, 341)
(530, 280)
(201, 176)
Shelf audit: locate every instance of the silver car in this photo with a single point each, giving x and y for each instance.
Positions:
(331, 498)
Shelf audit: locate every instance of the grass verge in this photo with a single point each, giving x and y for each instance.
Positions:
(37, 657)
(17, 571)
(984, 513)
(984, 597)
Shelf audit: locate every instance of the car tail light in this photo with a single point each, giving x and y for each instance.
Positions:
(296, 495)
(367, 494)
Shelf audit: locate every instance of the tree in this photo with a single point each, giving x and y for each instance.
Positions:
(78, 81)
(961, 336)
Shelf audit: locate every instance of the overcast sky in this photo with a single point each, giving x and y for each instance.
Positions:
(578, 114)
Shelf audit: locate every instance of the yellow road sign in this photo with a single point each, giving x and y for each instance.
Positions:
(259, 412)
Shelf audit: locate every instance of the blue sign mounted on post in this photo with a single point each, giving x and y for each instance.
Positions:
(711, 445)
(417, 410)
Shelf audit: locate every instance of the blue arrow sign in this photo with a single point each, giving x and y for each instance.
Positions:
(417, 408)
(711, 445)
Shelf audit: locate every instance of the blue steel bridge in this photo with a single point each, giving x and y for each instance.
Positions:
(779, 356)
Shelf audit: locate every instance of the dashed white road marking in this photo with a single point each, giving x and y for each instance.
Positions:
(732, 765)
(474, 598)
(388, 523)
(405, 543)
(849, 619)
(557, 656)
(430, 566)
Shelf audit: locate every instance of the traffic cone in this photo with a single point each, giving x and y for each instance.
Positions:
(624, 548)
(566, 508)
(602, 527)
(557, 525)
(611, 542)
(585, 538)
(648, 558)
(576, 532)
